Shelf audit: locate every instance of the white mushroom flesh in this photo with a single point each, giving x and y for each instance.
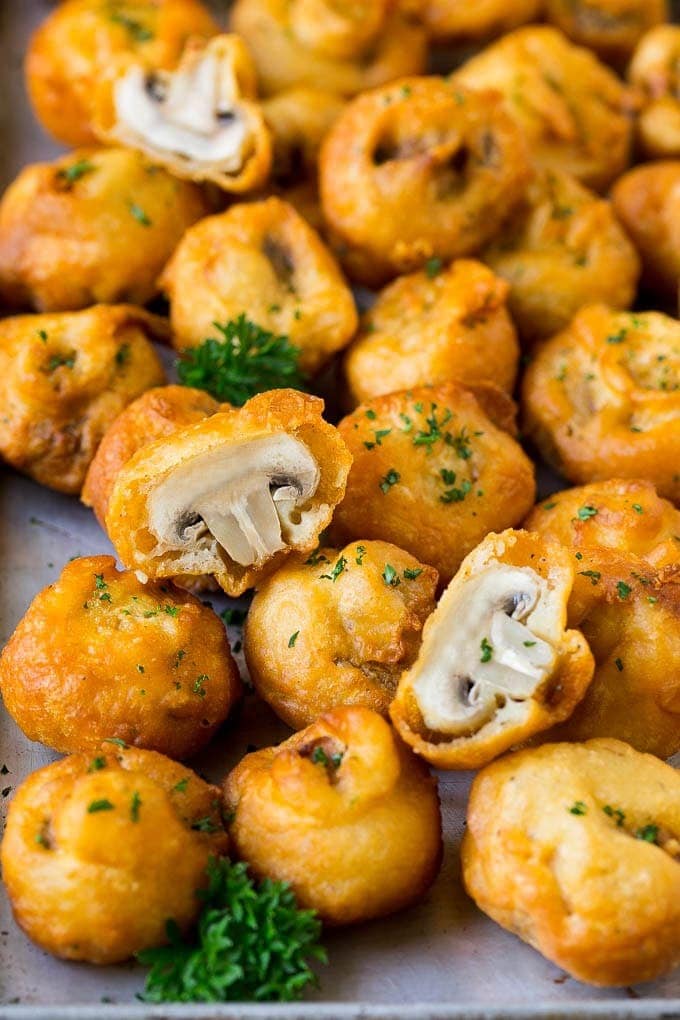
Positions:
(494, 642)
(191, 113)
(244, 498)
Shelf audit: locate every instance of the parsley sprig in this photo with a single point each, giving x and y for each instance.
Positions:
(253, 944)
(246, 360)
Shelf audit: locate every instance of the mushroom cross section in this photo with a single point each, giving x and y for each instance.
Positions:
(497, 641)
(246, 497)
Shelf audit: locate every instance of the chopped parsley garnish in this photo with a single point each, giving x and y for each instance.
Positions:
(181, 786)
(411, 573)
(619, 664)
(140, 668)
(617, 338)
(122, 355)
(370, 414)
(549, 506)
(97, 763)
(42, 840)
(623, 590)
(433, 267)
(578, 808)
(390, 576)
(171, 610)
(594, 575)
(315, 558)
(246, 360)
(528, 644)
(99, 805)
(379, 436)
(486, 649)
(61, 361)
(616, 813)
(434, 428)
(360, 553)
(585, 512)
(336, 571)
(648, 833)
(138, 31)
(198, 685)
(114, 740)
(139, 214)
(319, 757)
(135, 804)
(455, 494)
(205, 824)
(390, 479)
(292, 639)
(637, 508)
(233, 617)
(71, 174)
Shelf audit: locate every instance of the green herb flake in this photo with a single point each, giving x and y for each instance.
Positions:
(578, 808)
(616, 813)
(486, 649)
(181, 786)
(97, 763)
(586, 512)
(99, 805)
(619, 664)
(292, 639)
(549, 506)
(528, 644)
(198, 687)
(205, 824)
(122, 355)
(139, 32)
(370, 414)
(433, 267)
(135, 804)
(390, 576)
(336, 571)
(114, 740)
(637, 508)
(617, 338)
(138, 213)
(74, 172)
(594, 575)
(648, 833)
(411, 573)
(233, 617)
(623, 590)
(360, 553)
(390, 479)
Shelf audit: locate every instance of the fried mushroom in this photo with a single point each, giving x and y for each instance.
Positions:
(63, 380)
(100, 850)
(233, 495)
(655, 72)
(98, 654)
(337, 629)
(462, 21)
(93, 226)
(435, 469)
(200, 121)
(602, 398)
(575, 848)
(345, 48)
(612, 28)
(561, 249)
(342, 798)
(263, 258)
(433, 326)
(75, 48)
(415, 170)
(497, 663)
(575, 113)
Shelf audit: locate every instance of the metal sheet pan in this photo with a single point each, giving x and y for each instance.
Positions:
(442, 959)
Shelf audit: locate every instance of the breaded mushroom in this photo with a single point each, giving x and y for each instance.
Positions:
(612, 28)
(463, 21)
(602, 398)
(98, 654)
(345, 48)
(561, 249)
(655, 72)
(497, 663)
(264, 259)
(432, 326)
(76, 46)
(647, 202)
(64, 378)
(576, 849)
(576, 114)
(232, 495)
(337, 629)
(419, 169)
(100, 850)
(435, 469)
(96, 225)
(344, 812)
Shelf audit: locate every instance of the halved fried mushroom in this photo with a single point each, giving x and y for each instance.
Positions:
(200, 121)
(496, 664)
(231, 495)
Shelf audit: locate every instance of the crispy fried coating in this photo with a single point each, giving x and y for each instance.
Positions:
(344, 812)
(232, 495)
(345, 48)
(299, 120)
(77, 45)
(647, 202)
(462, 21)
(574, 848)
(612, 28)
(158, 412)
(497, 663)
(574, 111)
(434, 471)
(561, 249)
(100, 850)
(655, 72)
(432, 326)
(63, 380)
(337, 629)
(98, 654)
(418, 169)
(602, 398)
(261, 258)
(93, 226)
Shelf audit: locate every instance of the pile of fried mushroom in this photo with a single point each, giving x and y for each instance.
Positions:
(424, 420)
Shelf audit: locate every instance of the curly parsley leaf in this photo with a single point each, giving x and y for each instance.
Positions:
(246, 360)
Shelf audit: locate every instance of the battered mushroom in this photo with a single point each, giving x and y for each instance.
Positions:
(200, 121)
(602, 398)
(647, 201)
(496, 664)
(158, 412)
(78, 44)
(232, 495)
(575, 849)
(655, 71)
(462, 21)
(98, 654)
(563, 248)
(63, 380)
(263, 258)
(612, 28)
(95, 225)
(342, 47)
(434, 471)
(100, 851)
(419, 169)
(337, 629)
(342, 798)
(574, 111)
(432, 326)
